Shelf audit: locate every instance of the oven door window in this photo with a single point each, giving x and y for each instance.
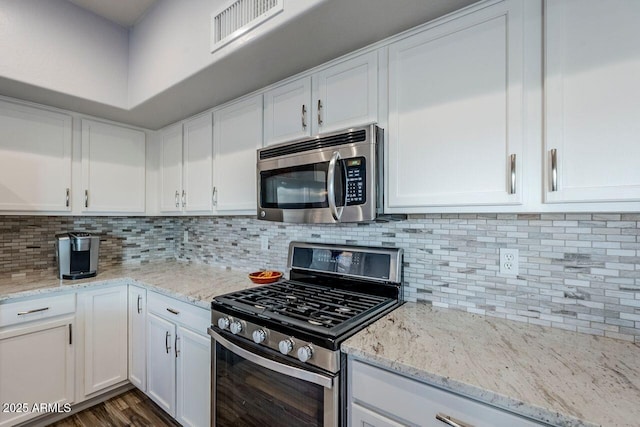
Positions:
(300, 187)
(250, 395)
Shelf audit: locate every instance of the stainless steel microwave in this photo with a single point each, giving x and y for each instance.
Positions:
(330, 178)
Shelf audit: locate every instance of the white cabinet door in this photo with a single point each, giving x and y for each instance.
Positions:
(198, 163)
(194, 378)
(36, 365)
(287, 112)
(161, 363)
(363, 417)
(35, 159)
(591, 100)
(170, 141)
(105, 337)
(238, 134)
(455, 111)
(113, 168)
(346, 94)
(137, 337)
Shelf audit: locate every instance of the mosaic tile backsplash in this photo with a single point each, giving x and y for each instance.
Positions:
(579, 272)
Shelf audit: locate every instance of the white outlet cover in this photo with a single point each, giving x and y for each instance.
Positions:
(509, 264)
(264, 243)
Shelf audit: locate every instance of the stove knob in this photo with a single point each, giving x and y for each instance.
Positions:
(259, 335)
(305, 353)
(235, 327)
(285, 346)
(223, 323)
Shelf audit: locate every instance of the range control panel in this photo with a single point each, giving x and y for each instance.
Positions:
(356, 178)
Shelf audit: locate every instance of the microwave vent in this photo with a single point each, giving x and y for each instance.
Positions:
(314, 144)
(240, 16)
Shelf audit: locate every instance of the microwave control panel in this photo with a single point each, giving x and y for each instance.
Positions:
(356, 168)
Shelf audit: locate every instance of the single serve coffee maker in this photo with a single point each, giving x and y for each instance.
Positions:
(77, 255)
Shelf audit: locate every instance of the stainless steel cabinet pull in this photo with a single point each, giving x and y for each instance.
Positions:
(177, 199)
(214, 198)
(67, 199)
(184, 198)
(554, 169)
(166, 342)
(70, 335)
(175, 345)
(304, 116)
(86, 198)
(172, 311)
(139, 308)
(512, 167)
(319, 112)
(452, 422)
(37, 310)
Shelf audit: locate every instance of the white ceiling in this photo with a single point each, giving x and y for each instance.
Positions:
(123, 12)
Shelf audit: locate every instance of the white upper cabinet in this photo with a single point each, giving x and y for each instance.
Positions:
(170, 141)
(592, 100)
(186, 161)
(198, 174)
(113, 168)
(287, 112)
(346, 94)
(337, 97)
(35, 159)
(237, 136)
(455, 134)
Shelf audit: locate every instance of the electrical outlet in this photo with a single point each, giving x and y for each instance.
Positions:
(509, 261)
(185, 237)
(264, 243)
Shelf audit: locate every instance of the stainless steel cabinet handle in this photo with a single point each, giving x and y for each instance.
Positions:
(37, 310)
(452, 422)
(177, 199)
(184, 198)
(172, 311)
(319, 112)
(86, 198)
(554, 169)
(67, 198)
(304, 116)
(166, 342)
(214, 196)
(70, 335)
(139, 300)
(512, 167)
(175, 345)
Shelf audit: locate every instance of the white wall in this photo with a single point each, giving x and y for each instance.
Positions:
(172, 42)
(56, 45)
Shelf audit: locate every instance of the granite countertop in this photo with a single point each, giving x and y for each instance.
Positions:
(559, 377)
(197, 284)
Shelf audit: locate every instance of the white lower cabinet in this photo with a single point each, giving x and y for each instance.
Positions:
(179, 359)
(380, 398)
(104, 314)
(37, 356)
(137, 337)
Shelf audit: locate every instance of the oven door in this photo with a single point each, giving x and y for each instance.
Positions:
(251, 388)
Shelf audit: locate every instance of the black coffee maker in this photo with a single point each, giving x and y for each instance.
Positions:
(77, 255)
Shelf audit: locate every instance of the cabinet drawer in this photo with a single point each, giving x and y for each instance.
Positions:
(179, 312)
(412, 402)
(36, 308)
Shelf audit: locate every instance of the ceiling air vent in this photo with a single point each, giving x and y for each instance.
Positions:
(240, 16)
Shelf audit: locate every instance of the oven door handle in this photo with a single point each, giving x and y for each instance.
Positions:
(291, 371)
(331, 187)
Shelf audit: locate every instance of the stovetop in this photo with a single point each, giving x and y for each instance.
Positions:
(324, 310)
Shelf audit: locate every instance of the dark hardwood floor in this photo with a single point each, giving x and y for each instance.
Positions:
(132, 408)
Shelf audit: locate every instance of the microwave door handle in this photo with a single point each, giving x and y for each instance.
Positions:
(331, 187)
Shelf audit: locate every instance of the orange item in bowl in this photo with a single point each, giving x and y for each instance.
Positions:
(264, 277)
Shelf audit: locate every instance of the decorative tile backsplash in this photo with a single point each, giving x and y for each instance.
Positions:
(579, 272)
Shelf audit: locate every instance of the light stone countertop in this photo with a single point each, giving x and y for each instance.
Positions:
(551, 375)
(197, 284)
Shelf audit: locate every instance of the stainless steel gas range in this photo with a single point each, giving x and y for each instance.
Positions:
(276, 357)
